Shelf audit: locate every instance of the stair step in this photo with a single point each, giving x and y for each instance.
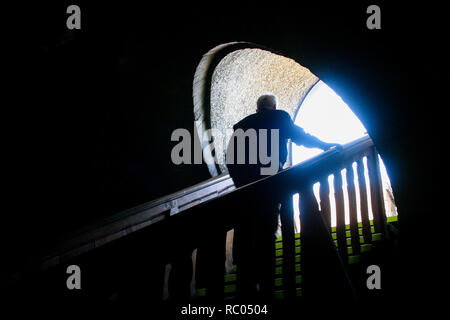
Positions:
(279, 261)
(279, 252)
(279, 270)
(279, 281)
(279, 294)
(354, 259)
(279, 244)
(366, 247)
(296, 236)
(230, 277)
(229, 288)
(376, 237)
(201, 292)
(392, 219)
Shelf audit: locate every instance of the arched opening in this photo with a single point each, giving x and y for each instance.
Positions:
(227, 83)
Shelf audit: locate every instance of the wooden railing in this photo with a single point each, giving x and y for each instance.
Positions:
(124, 223)
(142, 255)
(323, 268)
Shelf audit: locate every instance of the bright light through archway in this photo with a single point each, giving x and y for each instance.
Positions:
(325, 115)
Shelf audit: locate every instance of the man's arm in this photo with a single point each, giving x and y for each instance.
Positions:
(300, 137)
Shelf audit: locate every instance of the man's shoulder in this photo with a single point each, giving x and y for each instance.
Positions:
(268, 116)
(248, 120)
(282, 114)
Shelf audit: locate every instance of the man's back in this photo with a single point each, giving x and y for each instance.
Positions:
(269, 120)
(276, 123)
(271, 123)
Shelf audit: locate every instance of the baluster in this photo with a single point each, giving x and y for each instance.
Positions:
(287, 231)
(180, 276)
(352, 209)
(340, 216)
(363, 201)
(322, 267)
(376, 191)
(141, 273)
(325, 200)
(210, 264)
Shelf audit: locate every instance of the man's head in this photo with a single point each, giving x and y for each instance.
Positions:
(267, 102)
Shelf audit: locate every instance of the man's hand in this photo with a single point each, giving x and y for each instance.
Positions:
(328, 146)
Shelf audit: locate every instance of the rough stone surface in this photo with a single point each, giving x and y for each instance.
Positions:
(244, 75)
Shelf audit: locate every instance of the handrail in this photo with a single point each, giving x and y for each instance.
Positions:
(151, 212)
(136, 218)
(313, 168)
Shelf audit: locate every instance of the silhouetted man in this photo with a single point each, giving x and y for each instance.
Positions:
(258, 148)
